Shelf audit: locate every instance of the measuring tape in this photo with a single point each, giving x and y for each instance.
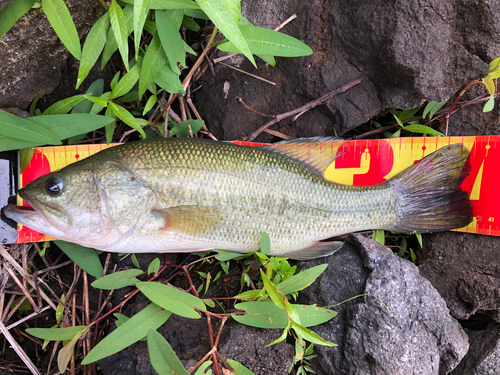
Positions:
(362, 162)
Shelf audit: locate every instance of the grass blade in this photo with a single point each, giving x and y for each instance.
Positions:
(12, 12)
(86, 258)
(180, 303)
(141, 9)
(221, 17)
(58, 15)
(153, 62)
(151, 317)
(163, 358)
(119, 27)
(93, 46)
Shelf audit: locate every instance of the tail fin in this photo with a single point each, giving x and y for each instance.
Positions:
(430, 196)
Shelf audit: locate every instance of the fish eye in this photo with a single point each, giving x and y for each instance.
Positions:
(54, 185)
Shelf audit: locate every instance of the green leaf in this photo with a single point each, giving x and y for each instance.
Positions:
(56, 334)
(12, 12)
(490, 104)
(66, 126)
(268, 59)
(8, 143)
(229, 255)
(15, 127)
(379, 236)
(202, 368)
(149, 104)
(180, 303)
(273, 292)
(162, 356)
(153, 62)
(127, 82)
(234, 8)
(301, 280)
(408, 113)
(190, 24)
(93, 46)
(310, 336)
(154, 266)
(169, 4)
(419, 238)
(423, 130)
(186, 128)
(221, 17)
(64, 106)
(117, 280)
(282, 337)
(196, 13)
(268, 315)
(95, 89)
(111, 44)
(263, 41)
(238, 368)
(25, 156)
(413, 256)
(84, 257)
(67, 351)
(141, 9)
(134, 329)
(398, 120)
(126, 117)
(119, 27)
(265, 244)
(169, 81)
(250, 294)
(58, 15)
(170, 38)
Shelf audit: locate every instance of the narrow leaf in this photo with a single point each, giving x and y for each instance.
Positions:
(263, 41)
(162, 356)
(95, 89)
(234, 8)
(239, 368)
(64, 106)
(127, 82)
(229, 255)
(67, 351)
(93, 46)
(170, 38)
(422, 129)
(221, 17)
(169, 81)
(111, 43)
(273, 292)
(301, 280)
(310, 336)
(119, 27)
(186, 128)
(8, 143)
(149, 104)
(154, 266)
(141, 9)
(126, 117)
(56, 334)
(58, 15)
(117, 280)
(490, 104)
(202, 368)
(66, 126)
(190, 24)
(153, 62)
(169, 4)
(12, 12)
(180, 303)
(84, 257)
(151, 317)
(379, 236)
(25, 130)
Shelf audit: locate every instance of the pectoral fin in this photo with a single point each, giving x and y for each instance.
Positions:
(317, 250)
(188, 219)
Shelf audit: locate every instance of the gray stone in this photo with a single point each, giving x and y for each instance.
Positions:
(483, 357)
(465, 269)
(402, 325)
(32, 56)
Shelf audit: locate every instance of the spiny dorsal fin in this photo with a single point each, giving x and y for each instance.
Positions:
(317, 152)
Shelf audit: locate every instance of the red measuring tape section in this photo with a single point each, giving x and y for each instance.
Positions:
(362, 162)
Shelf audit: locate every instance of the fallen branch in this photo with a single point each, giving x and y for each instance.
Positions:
(302, 109)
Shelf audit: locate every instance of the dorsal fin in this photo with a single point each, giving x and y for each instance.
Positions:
(317, 152)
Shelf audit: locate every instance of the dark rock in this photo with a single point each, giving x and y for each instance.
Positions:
(31, 54)
(247, 345)
(412, 334)
(405, 52)
(465, 269)
(483, 357)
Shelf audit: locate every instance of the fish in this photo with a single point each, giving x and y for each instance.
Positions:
(189, 194)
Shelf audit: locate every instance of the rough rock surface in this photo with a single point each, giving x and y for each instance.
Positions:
(32, 56)
(465, 269)
(483, 357)
(404, 51)
(415, 333)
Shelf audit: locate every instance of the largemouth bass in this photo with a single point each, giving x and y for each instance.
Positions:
(183, 194)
